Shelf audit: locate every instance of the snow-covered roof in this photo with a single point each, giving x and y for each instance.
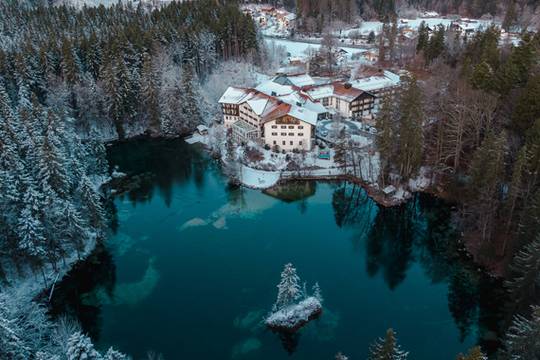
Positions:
(234, 95)
(371, 83)
(319, 92)
(272, 88)
(339, 89)
(301, 80)
(303, 114)
(346, 91)
(258, 104)
(280, 109)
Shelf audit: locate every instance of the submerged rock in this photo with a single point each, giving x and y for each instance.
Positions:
(293, 317)
(245, 347)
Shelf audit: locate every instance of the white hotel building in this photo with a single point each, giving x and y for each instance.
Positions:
(283, 112)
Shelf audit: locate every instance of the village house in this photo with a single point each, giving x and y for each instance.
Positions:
(379, 84)
(370, 56)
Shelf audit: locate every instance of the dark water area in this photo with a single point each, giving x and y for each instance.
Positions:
(191, 266)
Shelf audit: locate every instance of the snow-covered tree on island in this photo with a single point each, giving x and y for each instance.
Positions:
(387, 348)
(288, 288)
(294, 307)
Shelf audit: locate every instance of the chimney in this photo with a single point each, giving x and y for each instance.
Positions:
(347, 85)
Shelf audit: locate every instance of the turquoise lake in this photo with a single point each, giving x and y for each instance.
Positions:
(191, 267)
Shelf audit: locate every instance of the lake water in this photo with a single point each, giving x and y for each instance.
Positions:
(191, 268)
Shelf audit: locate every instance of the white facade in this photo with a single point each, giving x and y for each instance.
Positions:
(288, 134)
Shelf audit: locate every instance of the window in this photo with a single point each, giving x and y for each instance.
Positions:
(274, 126)
(291, 134)
(325, 101)
(283, 134)
(291, 127)
(300, 134)
(275, 142)
(283, 127)
(300, 143)
(300, 127)
(274, 134)
(291, 142)
(284, 142)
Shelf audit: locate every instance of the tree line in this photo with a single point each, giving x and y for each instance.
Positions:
(472, 125)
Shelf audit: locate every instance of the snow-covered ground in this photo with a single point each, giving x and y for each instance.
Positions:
(301, 50)
(258, 179)
(294, 316)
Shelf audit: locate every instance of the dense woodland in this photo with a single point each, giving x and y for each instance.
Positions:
(98, 62)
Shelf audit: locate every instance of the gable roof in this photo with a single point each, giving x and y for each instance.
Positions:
(346, 91)
(234, 95)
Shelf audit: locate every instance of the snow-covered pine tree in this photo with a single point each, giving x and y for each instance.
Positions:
(52, 174)
(387, 135)
(112, 354)
(70, 63)
(150, 94)
(411, 139)
(523, 338)
(387, 348)
(340, 356)
(92, 203)
(80, 347)
(190, 99)
(206, 45)
(31, 233)
(317, 294)
(288, 288)
(41, 355)
(71, 226)
(525, 282)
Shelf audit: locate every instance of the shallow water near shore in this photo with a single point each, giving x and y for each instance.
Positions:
(191, 267)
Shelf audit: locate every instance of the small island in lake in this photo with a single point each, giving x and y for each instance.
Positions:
(294, 307)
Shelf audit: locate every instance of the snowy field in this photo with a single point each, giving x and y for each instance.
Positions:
(302, 49)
